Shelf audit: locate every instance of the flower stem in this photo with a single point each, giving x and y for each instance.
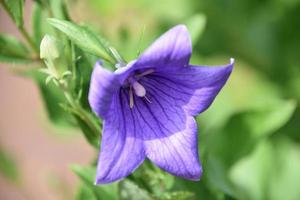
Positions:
(29, 40)
(79, 111)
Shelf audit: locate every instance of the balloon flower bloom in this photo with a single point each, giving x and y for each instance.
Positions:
(148, 108)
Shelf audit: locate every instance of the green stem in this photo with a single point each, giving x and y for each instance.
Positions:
(80, 112)
(29, 40)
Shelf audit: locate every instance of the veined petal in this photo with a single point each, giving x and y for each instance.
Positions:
(177, 153)
(169, 134)
(121, 149)
(193, 87)
(103, 86)
(172, 49)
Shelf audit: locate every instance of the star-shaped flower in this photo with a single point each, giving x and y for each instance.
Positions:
(148, 108)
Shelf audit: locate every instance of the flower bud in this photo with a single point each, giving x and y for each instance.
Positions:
(49, 48)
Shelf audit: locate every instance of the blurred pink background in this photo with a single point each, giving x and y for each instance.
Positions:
(43, 153)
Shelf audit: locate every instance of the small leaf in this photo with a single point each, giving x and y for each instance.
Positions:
(85, 193)
(178, 195)
(12, 50)
(102, 192)
(130, 191)
(59, 9)
(196, 25)
(81, 36)
(38, 25)
(15, 7)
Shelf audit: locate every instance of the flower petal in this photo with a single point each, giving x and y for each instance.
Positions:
(177, 153)
(172, 49)
(169, 135)
(194, 87)
(122, 149)
(102, 87)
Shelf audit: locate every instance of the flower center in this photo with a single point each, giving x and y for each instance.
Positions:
(137, 88)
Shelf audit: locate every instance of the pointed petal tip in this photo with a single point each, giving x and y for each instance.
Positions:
(194, 175)
(229, 67)
(102, 182)
(231, 61)
(197, 175)
(181, 27)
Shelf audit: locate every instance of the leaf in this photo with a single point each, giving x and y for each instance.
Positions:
(178, 195)
(102, 192)
(59, 9)
(285, 179)
(38, 17)
(239, 137)
(85, 193)
(246, 128)
(83, 70)
(130, 191)
(217, 177)
(196, 25)
(8, 166)
(271, 118)
(81, 36)
(251, 173)
(199, 189)
(15, 7)
(12, 50)
(270, 172)
(88, 133)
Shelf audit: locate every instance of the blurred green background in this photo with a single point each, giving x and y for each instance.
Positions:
(249, 139)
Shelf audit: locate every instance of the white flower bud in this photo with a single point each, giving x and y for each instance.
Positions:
(49, 48)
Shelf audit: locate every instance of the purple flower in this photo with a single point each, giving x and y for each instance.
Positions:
(148, 106)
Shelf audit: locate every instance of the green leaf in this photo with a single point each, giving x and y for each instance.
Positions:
(38, 27)
(199, 189)
(8, 166)
(217, 177)
(101, 192)
(88, 133)
(239, 137)
(271, 118)
(246, 128)
(285, 179)
(15, 8)
(130, 191)
(85, 193)
(270, 172)
(251, 173)
(59, 9)
(12, 50)
(196, 26)
(178, 195)
(83, 37)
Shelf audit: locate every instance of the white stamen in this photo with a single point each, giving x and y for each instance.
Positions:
(147, 99)
(131, 98)
(139, 90)
(149, 71)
